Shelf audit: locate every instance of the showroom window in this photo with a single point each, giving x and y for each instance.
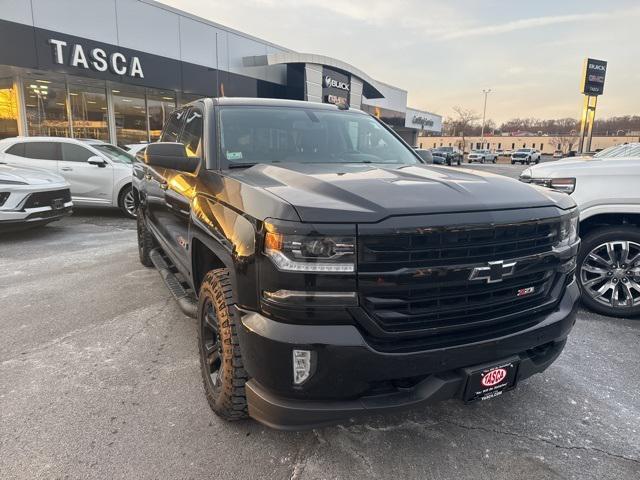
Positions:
(8, 109)
(129, 111)
(46, 108)
(89, 112)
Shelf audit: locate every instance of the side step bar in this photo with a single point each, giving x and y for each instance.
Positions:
(186, 301)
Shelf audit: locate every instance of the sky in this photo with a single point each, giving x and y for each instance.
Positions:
(444, 53)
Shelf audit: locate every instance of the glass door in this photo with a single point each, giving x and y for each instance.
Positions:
(8, 109)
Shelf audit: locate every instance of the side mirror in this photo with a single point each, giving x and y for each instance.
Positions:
(170, 155)
(97, 161)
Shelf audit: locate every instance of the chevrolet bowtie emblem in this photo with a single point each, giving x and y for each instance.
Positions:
(493, 272)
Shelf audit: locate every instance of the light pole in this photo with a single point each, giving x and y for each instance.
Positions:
(484, 114)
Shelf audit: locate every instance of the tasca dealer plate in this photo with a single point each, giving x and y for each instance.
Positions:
(484, 383)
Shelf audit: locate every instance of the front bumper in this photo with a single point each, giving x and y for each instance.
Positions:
(351, 378)
(16, 219)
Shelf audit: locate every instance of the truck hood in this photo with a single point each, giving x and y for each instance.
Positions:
(360, 193)
(559, 168)
(28, 176)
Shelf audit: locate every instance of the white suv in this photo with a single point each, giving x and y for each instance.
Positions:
(606, 188)
(99, 173)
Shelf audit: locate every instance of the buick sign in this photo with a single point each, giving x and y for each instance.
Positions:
(593, 75)
(96, 59)
(330, 82)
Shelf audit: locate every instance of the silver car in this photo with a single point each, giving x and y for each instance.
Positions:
(30, 197)
(99, 173)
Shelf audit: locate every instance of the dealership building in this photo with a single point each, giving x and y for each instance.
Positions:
(114, 69)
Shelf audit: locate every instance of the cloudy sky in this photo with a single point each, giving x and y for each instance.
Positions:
(445, 52)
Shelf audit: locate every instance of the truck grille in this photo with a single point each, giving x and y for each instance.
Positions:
(417, 284)
(46, 199)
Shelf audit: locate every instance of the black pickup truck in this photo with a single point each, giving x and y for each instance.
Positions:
(333, 273)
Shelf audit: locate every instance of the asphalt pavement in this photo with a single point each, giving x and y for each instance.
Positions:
(99, 378)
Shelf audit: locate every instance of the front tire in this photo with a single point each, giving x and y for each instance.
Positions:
(146, 242)
(608, 271)
(223, 372)
(127, 202)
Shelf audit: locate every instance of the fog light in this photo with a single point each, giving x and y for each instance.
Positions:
(301, 366)
(321, 299)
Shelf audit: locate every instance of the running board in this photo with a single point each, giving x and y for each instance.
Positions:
(185, 299)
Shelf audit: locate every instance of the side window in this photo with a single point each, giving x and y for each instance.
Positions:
(17, 150)
(42, 150)
(172, 129)
(191, 136)
(75, 153)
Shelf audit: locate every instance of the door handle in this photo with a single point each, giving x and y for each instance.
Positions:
(66, 169)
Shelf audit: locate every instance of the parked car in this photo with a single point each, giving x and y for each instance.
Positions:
(30, 197)
(451, 154)
(525, 155)
(137, 150)
(333, 273)
(558, 154)
(482, 156)
(605, 187)
(99, 173)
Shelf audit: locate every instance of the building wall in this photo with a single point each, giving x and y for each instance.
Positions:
(546, 144)
(150, 27)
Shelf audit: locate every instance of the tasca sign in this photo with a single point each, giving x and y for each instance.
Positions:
(96, 59)
(593, 75)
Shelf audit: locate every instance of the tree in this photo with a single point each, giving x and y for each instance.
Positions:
(463, 120)
(566, 141)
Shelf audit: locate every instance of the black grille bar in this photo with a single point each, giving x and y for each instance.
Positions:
(419, 284)
(46, 199)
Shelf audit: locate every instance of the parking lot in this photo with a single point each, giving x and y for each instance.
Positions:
(99, 378)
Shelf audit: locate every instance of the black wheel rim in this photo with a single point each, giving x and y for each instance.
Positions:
(211, 345)
(610, 274)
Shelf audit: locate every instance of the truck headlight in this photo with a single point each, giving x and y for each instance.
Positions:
(311, 253)
(568, 233)
(566, 185)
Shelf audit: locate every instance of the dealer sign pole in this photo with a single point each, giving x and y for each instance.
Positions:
(593, 75)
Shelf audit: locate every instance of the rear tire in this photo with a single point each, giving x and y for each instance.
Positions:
(223, 372)
(595, 242)
(146, 242)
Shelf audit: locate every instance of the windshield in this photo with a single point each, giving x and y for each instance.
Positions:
(115, 154)
(444, 149)
(524, 150)
(628, 150)
(251, 135)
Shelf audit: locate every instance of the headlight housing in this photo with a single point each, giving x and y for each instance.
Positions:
(311, 253)
(568, 232)
(564, 185)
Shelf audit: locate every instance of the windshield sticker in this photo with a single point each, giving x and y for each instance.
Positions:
(234, 155)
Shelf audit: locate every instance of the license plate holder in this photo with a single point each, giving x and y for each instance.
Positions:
(490, 381)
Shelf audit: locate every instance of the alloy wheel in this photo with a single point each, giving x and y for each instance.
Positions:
(610, 274)
(211, 345)
(129, 203)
